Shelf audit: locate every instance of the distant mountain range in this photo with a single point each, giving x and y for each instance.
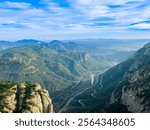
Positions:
(7, 44)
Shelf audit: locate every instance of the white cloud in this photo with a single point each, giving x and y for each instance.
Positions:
(141, 26)
(18, 5)
(103, 2)
(84, 2)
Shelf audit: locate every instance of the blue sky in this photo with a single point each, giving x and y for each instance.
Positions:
(74, 19)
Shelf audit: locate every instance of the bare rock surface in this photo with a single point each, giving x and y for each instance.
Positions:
(24, 98)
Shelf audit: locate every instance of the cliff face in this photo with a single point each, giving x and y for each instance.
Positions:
(24, 98)
(134, 90)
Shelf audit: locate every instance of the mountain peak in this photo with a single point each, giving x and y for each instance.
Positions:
(55, 41)
(28, 41)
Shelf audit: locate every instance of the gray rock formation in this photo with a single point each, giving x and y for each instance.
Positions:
(133, 92)
(24, 98)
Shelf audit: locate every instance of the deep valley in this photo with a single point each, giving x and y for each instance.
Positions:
(81, 76)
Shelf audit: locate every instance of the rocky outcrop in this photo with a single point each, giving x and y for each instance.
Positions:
(133, 92)
(24, 98)
(135, 98)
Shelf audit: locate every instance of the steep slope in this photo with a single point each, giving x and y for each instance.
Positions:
(134, 90)
(24, 98)
(123, 88)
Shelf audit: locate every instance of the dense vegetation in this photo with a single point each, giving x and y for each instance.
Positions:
(5, 85)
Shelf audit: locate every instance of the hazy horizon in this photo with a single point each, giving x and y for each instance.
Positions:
(65, 40)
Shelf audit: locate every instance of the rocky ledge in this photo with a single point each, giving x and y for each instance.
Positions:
(24, 98)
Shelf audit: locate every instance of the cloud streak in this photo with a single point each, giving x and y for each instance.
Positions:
(74, 18)
(14, 5)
